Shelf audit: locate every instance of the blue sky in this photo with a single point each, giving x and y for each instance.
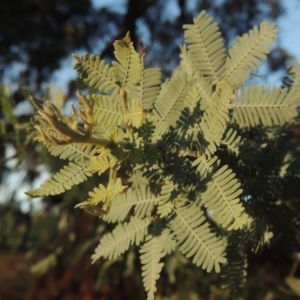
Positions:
(289, 25)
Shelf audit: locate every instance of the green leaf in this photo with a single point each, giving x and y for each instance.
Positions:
(128, 70)
(232, 141)
(150, 87)
(206, 47)
(107, 114)
(104, 194)
(170, 101)
(247, 52)
(196, 239)
(44, 265)
(72, 152)
(222, 198)
(135, 115)
(165, 203)
(264, 106)
(216, 117)
(125, 234)
(205, 166)
(102, 162)
(152, 252)
(142, 200)
(95, 72)
(63, 180)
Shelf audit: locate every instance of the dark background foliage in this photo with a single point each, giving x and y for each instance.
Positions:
(36, 37)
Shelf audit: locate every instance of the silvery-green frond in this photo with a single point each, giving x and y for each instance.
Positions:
(203, 85)
(137, 179)
(141, 199)
(150, 87)
(192, 98)
(63, 180)
(257, 105)
(205, 166)
(121, 207)
(196, 239)
(135, 115)
(121, 238)
(247, 52)
(170, 243)
(216, 117)
(104, 193)
(107, 114)
(102, 162)
(232, 140)
(170, 101)
(128, 69)
(186, 63)
(146, 201)
(205, 90)
(72, 152)
(95, 72)
(165, 203)
(222, 198)
(206, 47)
(151, 252)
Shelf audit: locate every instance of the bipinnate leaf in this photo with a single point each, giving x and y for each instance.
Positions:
(136, 114)
(204, 87)
(171, 100)
(222, 198)
(102, 162)
(165, 204)
(196, 239)
(150, 86)
(268, 107)
(204, 165)
(186, 63)
(205, 91)
(128, 70)
(121, 206)
(142, 200)
(72, 151)
(152, 252)
(105, 194)
(107, 114)
(95, 72)
(121, 238)
(206, 47)
(165, 145)
(232, 141)
(145, 203)
(247, 52)
(216, 118)
(63, 180)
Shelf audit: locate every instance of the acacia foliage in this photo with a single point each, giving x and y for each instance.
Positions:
(175, 141)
